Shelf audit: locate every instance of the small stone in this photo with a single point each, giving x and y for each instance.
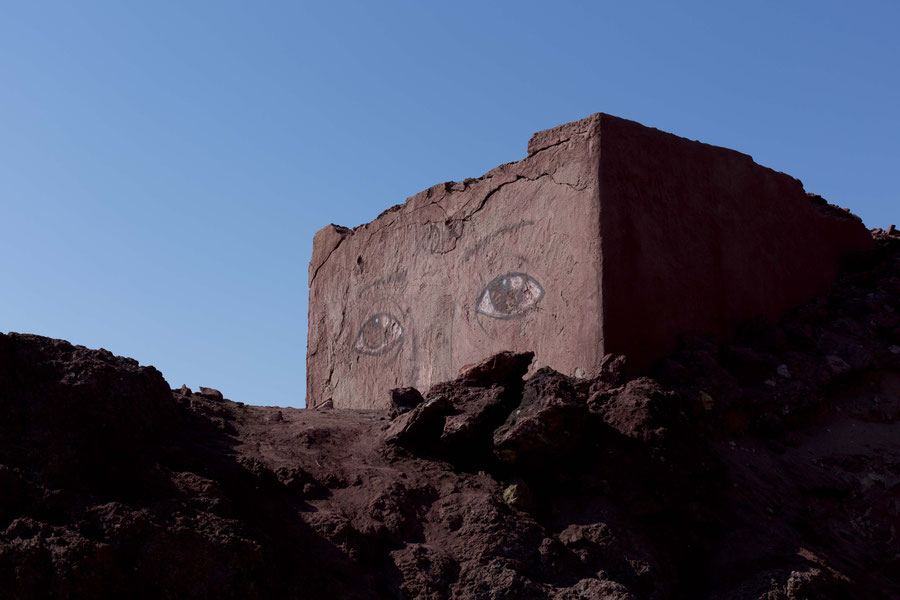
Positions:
(836, 364)
(404, 400)
(211, 393)
(894, 349)
(783, 371)
(324, 405)
(770, 382)
(185, 391)
(518, 495)
(706, 401)
(612, 368)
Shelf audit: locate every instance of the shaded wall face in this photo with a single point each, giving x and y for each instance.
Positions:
(411, 301)
(697, 239)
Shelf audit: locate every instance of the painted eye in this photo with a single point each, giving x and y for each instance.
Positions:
(378, 334)
(509, 296)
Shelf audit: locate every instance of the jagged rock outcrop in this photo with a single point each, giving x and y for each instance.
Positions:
(765, 468)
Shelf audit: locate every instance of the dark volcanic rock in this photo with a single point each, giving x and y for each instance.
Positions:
(640, 409)
(420, 426)
(502, 368)
(547, 423)
(766, 469)
(210, 393)
(65, 409)
(115, 486)
(483, 396)
(404, 400)
(457, 419)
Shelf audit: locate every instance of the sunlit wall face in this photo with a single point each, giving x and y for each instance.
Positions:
(508, 262)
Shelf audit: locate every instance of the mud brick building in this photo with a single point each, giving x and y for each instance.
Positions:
(609, 237)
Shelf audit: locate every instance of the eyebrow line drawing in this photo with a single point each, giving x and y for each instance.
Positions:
(396, 277)
(484, 241)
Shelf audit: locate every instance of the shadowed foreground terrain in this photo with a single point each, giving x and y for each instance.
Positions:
(765, 468)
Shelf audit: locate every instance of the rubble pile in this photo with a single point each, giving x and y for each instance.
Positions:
(764, 468)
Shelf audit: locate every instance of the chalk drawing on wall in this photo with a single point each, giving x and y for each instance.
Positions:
(509, 296)
(379, 334)
(440, 237)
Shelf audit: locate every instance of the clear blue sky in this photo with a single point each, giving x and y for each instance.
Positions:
(164, 165)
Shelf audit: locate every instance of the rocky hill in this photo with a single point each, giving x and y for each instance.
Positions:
(768, 468)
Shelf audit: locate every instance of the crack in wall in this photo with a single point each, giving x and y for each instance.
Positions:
(577, 188)
(481, 205)
(328, 385)
(487, 196)
(405, 213)
(349, 232)
(553, 145)
(336, 246)
(451, 187)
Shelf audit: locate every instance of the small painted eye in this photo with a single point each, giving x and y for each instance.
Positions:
(378, 334)
(509, 296)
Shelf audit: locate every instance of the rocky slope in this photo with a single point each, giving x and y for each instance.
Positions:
(765, 468)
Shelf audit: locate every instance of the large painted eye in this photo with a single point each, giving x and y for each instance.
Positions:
(378, 334)
(509, 296)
